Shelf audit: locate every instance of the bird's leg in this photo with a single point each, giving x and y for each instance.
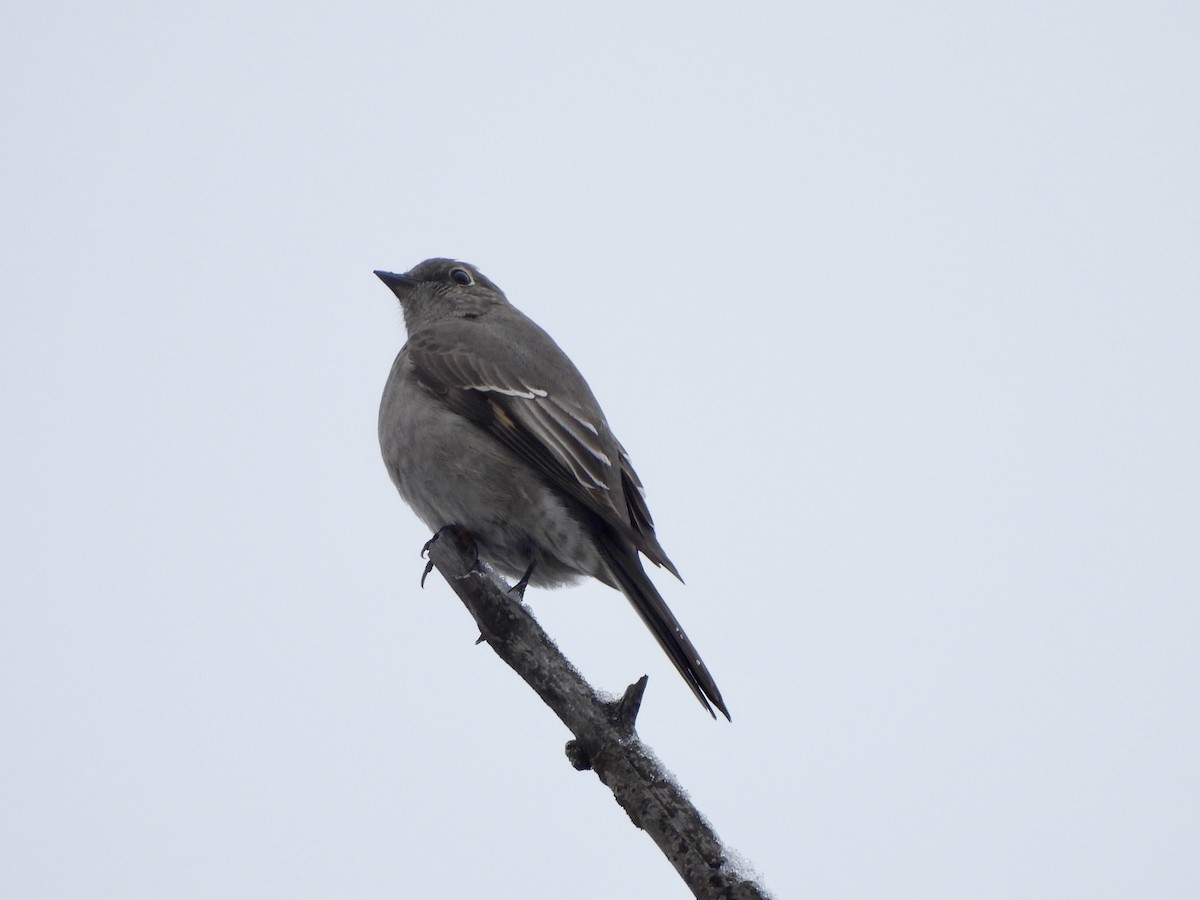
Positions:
(519, 587)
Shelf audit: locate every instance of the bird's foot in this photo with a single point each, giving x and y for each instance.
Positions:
(462, 533)
(519, 587)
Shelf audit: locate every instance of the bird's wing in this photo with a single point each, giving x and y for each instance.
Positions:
(567, 442)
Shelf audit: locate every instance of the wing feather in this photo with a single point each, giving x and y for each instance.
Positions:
(573, 450)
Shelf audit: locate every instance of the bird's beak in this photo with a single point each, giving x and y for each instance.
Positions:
(397, 283)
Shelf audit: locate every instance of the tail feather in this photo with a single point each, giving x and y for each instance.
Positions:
(633, 582)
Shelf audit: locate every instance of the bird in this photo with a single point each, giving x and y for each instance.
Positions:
(486, 425)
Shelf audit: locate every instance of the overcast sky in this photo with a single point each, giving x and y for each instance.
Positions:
(895, 306)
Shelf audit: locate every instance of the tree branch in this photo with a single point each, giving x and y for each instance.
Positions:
(605, 738)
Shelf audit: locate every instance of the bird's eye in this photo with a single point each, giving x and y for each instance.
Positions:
(462, 276)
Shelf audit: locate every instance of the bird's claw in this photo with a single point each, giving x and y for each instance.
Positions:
(424, 555)
(466, 535)
(429, 543)
(519, 587)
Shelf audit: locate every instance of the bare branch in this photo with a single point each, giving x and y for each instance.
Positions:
(605, 738)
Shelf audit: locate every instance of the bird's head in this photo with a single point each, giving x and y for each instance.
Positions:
(441, 289)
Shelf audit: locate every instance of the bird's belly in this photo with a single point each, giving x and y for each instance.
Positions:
(515, 517)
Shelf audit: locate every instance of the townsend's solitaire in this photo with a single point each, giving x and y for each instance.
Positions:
(486, 424)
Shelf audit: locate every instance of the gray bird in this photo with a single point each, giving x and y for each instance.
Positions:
(487, 425)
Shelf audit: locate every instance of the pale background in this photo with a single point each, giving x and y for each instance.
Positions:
(897, 308)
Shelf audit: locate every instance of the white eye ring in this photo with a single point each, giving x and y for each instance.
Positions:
(462, 276)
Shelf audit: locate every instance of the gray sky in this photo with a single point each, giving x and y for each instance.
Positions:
(897, 309)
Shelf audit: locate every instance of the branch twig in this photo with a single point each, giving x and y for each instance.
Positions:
(605, 739)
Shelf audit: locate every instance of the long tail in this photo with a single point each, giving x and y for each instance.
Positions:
(627, 570)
